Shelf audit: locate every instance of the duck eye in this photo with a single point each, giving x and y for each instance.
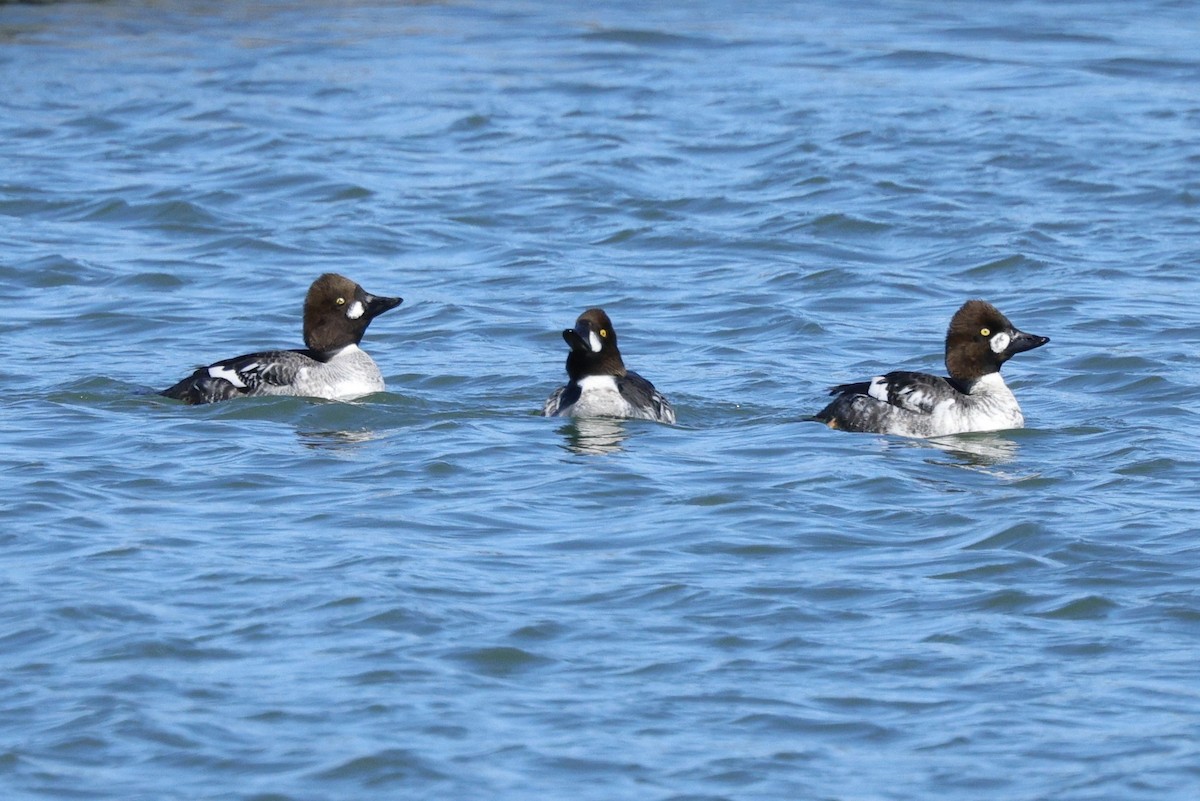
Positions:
(604, 332)
(341, 301)
(986, 332)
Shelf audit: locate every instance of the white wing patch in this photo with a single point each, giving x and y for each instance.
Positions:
(217, 371)
(913, 395)
(879, 388)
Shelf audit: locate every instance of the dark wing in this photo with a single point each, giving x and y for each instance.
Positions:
(562, 398)
(641, 394)
(260, 373)
(859, 388)
(870, 405)
(913, 392)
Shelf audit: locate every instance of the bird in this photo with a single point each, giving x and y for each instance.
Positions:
(979, 340)
(337, 312)
(598, 384)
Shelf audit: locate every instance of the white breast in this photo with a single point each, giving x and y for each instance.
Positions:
(598, 397)
(350, 374)
(991, 406)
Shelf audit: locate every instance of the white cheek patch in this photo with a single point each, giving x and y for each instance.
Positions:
(594, 341)
(356, 310)
(1000, 342)
(216, 371)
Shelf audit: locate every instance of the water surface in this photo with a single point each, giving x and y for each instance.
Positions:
(435, 592)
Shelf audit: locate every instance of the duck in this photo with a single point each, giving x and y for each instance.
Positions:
(332, 366)
(598, 383)
(974, 397)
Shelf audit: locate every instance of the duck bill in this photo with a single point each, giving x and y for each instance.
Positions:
(582, 339)
(1022, 342)
(376, 305)
(577, 341)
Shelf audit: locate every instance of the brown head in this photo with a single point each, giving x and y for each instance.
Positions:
(980, 339)
(337, 312)
(593, 344)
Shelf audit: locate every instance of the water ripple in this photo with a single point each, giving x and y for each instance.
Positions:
(434, 591)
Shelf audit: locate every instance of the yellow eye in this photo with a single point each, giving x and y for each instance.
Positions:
(985, 332)
(603, 333)
(341, 301)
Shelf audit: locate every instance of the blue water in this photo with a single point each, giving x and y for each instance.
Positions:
(436, 593)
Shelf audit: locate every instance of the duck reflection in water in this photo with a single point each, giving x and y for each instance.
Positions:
(335, 440)
(976, 450)
(594, 436)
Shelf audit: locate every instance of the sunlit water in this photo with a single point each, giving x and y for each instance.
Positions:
(437, 593)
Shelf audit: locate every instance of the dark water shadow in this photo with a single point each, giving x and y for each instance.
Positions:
(979, 450)
(335, 440)
(594, 436)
